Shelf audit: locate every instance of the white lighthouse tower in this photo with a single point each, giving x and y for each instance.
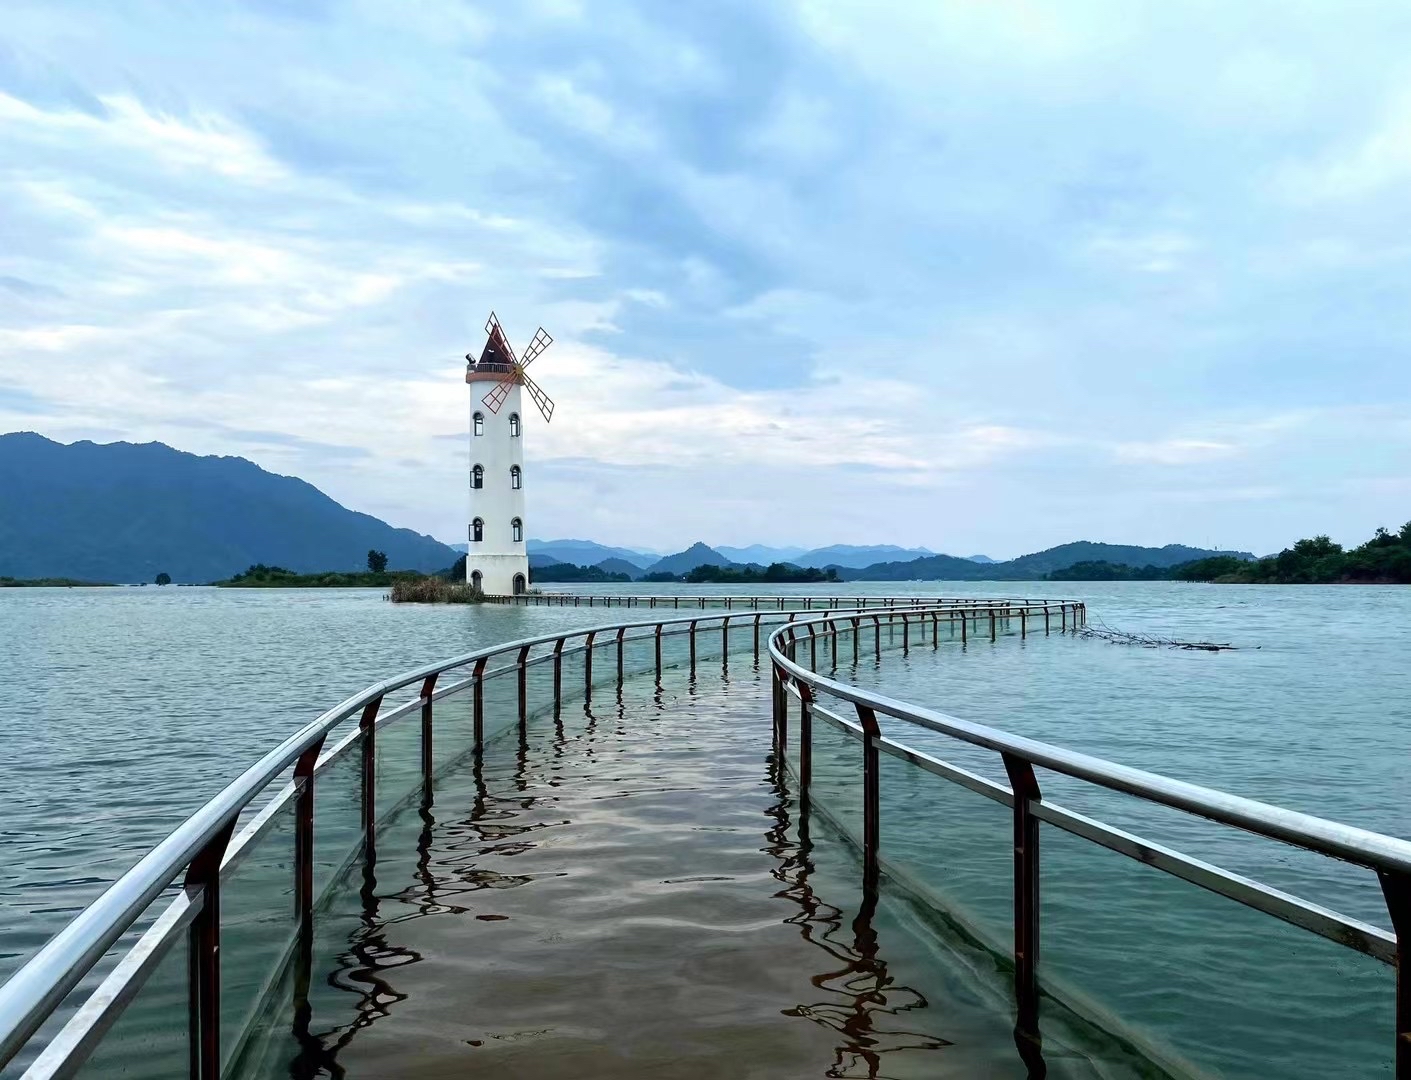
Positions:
(496, 560)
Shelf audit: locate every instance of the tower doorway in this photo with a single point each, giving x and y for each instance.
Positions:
(520, 585)
(477, 581)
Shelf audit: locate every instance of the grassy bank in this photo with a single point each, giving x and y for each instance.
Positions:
(51, 583)
(434, 590)
(276, 577)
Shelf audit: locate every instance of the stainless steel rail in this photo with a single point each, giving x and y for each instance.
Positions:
(797, 602)
(1388, 856)
(197, 851)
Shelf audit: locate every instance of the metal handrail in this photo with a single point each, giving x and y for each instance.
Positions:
(32, 992)
(1389, 857)
(1356, 845)
(833, 602)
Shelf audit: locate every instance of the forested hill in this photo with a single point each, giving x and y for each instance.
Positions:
(126, 512)
(1032, 567)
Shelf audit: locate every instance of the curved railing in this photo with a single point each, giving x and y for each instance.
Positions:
(366, 757)
(858, 714)
(199, 866)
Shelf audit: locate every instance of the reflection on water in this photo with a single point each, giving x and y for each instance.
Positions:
(654, 850)
(860, 991)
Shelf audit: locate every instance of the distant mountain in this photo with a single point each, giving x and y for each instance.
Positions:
(585, 553)
(980, 559)
(760, 553)
(126, 512)
(849, 555)
(685, 561)
(1065, 555)
(621, 566)
(926, 568)
(1029, 567)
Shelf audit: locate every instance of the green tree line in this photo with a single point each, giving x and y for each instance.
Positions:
(1385, 558)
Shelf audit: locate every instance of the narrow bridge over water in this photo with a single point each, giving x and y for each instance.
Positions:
(699, 844)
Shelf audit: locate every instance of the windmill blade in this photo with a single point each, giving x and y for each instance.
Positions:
(545, 403)
(496, 397)
(495, 330)
(541, 342)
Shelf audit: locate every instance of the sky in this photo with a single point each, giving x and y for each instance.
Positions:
(976, 275)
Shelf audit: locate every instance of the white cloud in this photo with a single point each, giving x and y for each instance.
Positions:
(1175, 451)
(796, 258)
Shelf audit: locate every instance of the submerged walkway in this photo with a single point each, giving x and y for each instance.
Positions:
(623, 894)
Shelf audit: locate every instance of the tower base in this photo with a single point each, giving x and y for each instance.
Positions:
(499, 575)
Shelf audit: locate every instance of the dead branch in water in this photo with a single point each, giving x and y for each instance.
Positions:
(1106, 633)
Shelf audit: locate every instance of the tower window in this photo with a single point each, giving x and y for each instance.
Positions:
(516, 477)
(514, 425)
(477, 477)
(517, 531)
(477, 423)
(477, 531)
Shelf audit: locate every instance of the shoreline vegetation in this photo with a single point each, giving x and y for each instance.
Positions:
(1385, 559)
(53, 583)
(706, 573)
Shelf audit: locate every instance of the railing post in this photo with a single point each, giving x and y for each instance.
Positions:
(781, 713)
(1397, 890)
(725, 641)
(871, 791)
(304, 833)
(833, 644)
(756, 632)
(203, 986)
(856, 633)
(428, 687)
(992, 623)
(588, 664)
(935, 630)
(367, 724)
(877, 634)
(805, 741)
(558, 674)
(620, 632)
(1026, 912)
(693, 646)
(304, 873)
(522, 677)
(1023, 622)
(657, 643)
(1063, 615)
(905, 634)
(964, 621)
(1045, 620)
(478, 699)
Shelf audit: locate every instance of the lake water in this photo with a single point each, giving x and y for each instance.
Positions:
(124, 709)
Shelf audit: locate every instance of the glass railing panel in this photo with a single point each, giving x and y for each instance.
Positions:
(453, 723)
(952, 846)
(675, 653)
(1201, 982)
(258, 926)
(398, 763)
(501, 699)
(151, 1038)
(835, 786)
(572, 679)
(793, 741)
(338, 829)
(539, 689)
(604, 660)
